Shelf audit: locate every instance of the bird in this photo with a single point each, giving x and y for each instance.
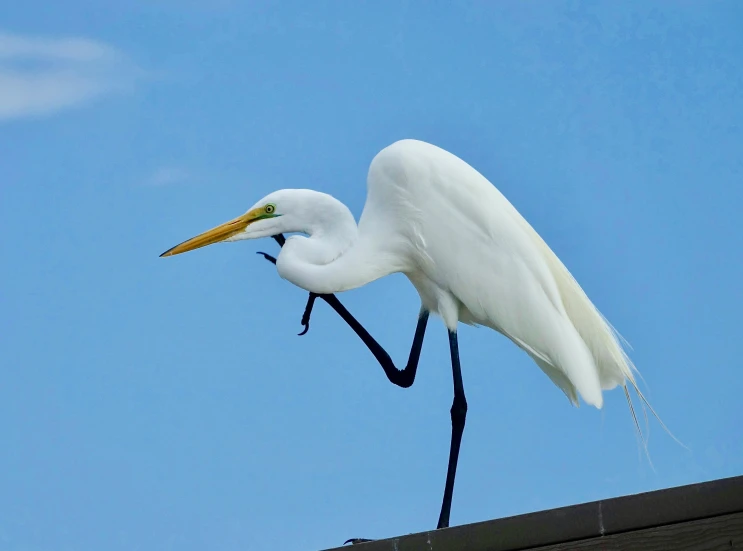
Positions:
(471, 256)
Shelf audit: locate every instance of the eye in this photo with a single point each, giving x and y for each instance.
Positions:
(270, 209)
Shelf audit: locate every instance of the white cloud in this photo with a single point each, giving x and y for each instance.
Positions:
(39, 76)
(167, 175)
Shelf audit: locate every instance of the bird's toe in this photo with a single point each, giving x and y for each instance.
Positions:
(267, 256)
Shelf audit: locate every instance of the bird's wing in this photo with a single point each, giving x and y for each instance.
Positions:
(496, 273)
(474, 243)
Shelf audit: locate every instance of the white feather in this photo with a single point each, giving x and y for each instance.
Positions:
(474, 244)
(469, 253)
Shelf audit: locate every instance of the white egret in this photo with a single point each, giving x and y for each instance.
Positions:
(469, 253)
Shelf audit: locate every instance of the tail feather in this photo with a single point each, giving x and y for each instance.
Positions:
(603, 340)
(646, 406)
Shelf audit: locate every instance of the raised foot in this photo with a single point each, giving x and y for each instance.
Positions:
(310, 301)
(308, 313)
(268, 257)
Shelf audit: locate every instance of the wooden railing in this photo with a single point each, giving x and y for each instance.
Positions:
(706, 516)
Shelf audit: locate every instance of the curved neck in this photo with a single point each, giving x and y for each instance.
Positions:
(334, 256)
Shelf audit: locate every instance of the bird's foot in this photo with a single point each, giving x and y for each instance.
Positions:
(310, 300)
(354, 541)
(308, 313)
(268, 257)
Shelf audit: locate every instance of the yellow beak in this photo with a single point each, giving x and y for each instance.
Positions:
(215, 235)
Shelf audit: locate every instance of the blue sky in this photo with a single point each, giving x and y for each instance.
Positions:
(167, 404)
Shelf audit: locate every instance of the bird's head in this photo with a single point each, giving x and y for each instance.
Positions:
(283, 211)
(266, 218)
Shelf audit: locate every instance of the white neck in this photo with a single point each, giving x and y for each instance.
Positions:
(334, 256)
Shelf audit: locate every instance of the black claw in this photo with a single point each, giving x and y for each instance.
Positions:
(354, 541)
(279, 238)
(267, 257)
(307, 313)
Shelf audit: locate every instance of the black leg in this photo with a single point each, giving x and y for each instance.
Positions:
(401, 377)
(279, 238)
(310, 300)
(308, 312)
(268, 257)
(458, 415)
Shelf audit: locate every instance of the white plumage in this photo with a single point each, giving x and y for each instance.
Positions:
(469, 253)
